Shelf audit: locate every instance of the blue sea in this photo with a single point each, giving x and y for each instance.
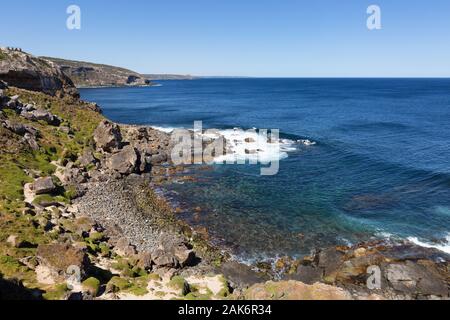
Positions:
(380, 165)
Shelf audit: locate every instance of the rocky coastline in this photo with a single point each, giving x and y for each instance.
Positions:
(81, 219)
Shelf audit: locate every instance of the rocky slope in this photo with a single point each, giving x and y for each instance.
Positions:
(85, 74)
(25, 71)
(54, 243)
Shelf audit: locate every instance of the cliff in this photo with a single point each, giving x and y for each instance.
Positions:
(86, 74)
(22, 70)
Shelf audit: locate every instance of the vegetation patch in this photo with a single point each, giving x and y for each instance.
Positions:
(92, 285)
(58, 292)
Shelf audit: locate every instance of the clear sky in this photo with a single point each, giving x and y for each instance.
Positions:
(273, 38)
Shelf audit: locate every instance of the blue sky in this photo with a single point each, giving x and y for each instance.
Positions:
(273, 38)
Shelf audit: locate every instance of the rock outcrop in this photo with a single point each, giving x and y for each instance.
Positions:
(294, 290)
(85, 74)
(22, 70)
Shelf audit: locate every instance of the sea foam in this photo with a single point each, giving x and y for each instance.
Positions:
(249, 145)
(445, 246)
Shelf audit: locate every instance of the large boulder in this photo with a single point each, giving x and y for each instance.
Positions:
(123, 248)
(126, 161)
(162, 258)
(145, 260)
(22, 70)
(43, 185)
(417, 278)
(293, 290)
(107, 136)
(184, 255)
(60, 258)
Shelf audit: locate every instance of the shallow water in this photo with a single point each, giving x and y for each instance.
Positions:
(381, 165)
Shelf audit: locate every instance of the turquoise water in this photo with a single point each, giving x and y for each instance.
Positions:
(380, 166)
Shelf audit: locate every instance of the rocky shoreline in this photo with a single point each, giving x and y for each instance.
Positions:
(406, 271)
(80, 218)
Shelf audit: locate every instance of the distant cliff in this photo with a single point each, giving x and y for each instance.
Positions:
(86, 74)
(169, 77)
(23, 70)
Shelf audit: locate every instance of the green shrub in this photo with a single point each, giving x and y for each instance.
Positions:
(92, 285)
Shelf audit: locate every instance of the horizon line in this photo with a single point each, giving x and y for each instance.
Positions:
(307, 77)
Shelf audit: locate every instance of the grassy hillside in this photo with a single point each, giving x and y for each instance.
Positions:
(17, 164)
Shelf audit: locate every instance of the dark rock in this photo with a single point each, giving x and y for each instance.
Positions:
(43, 185)
(29, 107)
(107, 136)
(11, 104)
(307, 274)
(241, 275)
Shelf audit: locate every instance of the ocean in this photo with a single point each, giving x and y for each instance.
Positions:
(376, 165)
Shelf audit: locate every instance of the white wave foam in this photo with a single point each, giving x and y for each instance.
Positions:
(164, 129)
(251, 146)
(307, 142)
(445, 247)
